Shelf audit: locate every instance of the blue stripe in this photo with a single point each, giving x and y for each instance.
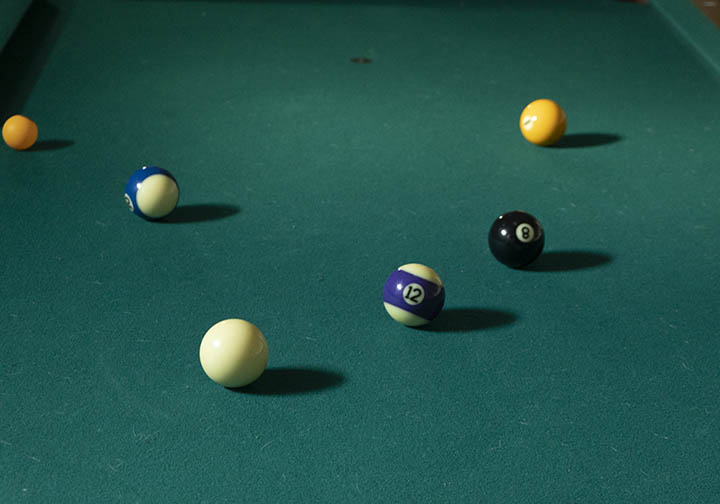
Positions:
(432, 303)
(136, 178)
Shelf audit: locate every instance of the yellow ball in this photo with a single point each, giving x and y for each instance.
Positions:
(543, 122)
(19, 132)
(233, 353)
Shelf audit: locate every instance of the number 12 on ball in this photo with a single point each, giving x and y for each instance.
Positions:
(413, 294)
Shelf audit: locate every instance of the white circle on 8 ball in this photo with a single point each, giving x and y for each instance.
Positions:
(525, 232)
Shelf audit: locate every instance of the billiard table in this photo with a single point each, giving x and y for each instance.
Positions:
(318, 146)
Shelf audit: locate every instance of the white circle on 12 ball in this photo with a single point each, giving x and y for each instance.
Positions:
(413, 294)
(525, 232)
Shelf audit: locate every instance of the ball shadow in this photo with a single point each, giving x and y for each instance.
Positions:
(292, 381)
(24, 55)
(47, 145)
(568, 260)
(586, 140)
(469, 319)
(199, 213)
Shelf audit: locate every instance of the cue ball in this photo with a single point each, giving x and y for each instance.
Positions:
(413, 295)
(516, 239)
(19, 132)
(233, 353)
(543, 122)
(151, 192)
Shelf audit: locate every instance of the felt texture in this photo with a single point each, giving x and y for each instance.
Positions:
(305, 180)
(694, 28)
(11, 11)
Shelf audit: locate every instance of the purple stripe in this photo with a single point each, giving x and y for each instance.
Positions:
(431, 304)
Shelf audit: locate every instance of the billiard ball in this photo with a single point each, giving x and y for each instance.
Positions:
(543, 122)
(413, 294)
(19, 132)
(516, 239)
(151, 192)
(233, 353)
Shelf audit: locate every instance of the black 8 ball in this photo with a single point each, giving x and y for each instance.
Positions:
(516, 239)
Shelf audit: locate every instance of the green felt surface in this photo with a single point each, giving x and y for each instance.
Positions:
(699, 32)
(305, 180)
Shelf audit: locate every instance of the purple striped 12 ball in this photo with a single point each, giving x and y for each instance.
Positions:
(413, 294)
(516, 239)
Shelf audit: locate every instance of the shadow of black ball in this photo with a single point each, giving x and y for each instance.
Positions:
(199, 213)
(469, 319)
(586, 140)
(292, 381)
(568, 260)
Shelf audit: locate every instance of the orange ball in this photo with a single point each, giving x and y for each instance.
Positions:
(543, 122)
(19, 132)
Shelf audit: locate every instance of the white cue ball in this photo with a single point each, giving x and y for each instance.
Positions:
(157, 196)
(233, 353)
